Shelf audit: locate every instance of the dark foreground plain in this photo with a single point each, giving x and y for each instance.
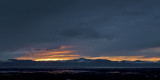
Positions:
(81, 74)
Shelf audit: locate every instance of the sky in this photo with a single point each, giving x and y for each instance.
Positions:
(69, 29)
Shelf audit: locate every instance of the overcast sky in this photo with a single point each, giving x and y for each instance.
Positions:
(92, 27)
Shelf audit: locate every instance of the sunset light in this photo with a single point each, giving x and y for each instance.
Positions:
(55, 59)
(61, 53)
(66, 53)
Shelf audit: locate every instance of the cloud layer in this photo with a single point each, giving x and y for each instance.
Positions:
(95, 27)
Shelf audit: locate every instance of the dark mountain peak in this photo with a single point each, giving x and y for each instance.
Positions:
(82, 60)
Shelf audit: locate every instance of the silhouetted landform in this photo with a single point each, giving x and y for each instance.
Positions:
(78, 63)
(82, 74)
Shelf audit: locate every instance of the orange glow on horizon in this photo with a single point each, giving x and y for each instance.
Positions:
(112, 58)
(51, 55)
(56, 59)
(127, 58)
(64, 54)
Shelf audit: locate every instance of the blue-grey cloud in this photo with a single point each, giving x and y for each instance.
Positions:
(98, 27)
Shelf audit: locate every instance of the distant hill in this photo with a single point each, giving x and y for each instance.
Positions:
(78, 63)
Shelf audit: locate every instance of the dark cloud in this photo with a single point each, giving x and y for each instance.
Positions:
(98, 27)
